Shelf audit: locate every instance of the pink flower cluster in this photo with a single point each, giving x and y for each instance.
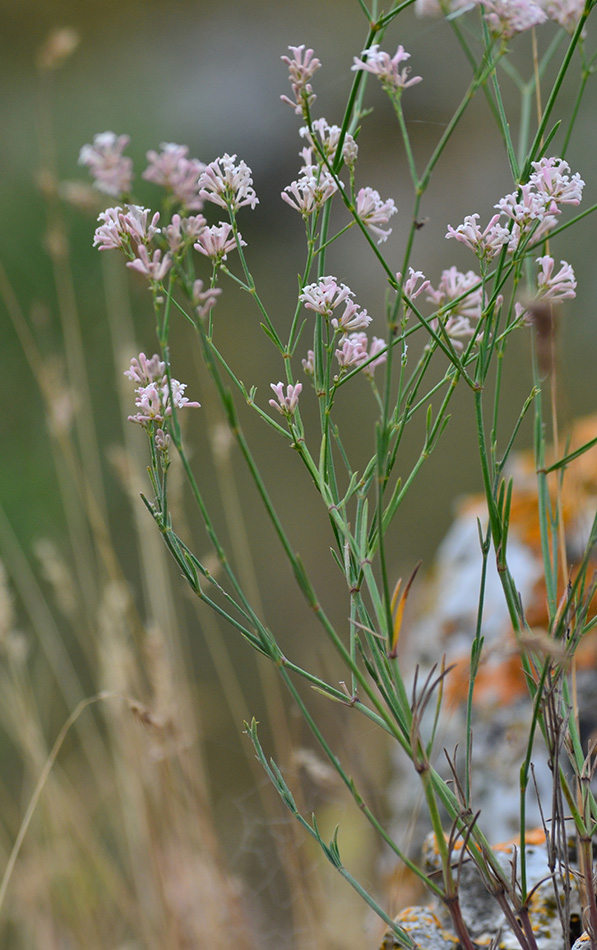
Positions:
(204, 300)
(565, 12)
(506, 17)
(325, 295)
(554, 287)
(177, 173)
(313, 187)
(227, 184)
(154, 268)
(301, 68)
(217, 241)
(125, 228)
(356, 351)
(181, 232)
(286, 402)
(387, 68)
(112, 171)
(352, 319)
(485, 243)
(459, 293)
(411, 287)
(153, 394)
(551, 286)
(532, 210)
(460, 297)
(328, 137)
(153, 251)
(374, 211)
(130, 229)
(316, 184)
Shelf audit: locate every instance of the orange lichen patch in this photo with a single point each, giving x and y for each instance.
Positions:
(497, 683)
(417, 915)
(482, 916)
(534, 836)
(424, 927)
(578, 493)
(500, 682)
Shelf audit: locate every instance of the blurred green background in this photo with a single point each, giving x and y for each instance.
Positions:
(210, 76)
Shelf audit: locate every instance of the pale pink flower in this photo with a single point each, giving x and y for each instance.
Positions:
(164, 166)
(374, 211)
(215, 242)
(314, 167)
(144, 371)
(149, 402)
(485, 244)
(523, 206)
(325, 295)
(123, 228)
(111, 170)
(153, 395)
(386, 68)
(550, 286)
(528, 209)
(172, 169)
(286, 402)
(377, 346)
(310, 192)
(110, 235)
(411, 287)
(301, 68)
(309, 363)
(309, 166)
(350, 151)
(551, 179)
(458, 327)
(135, 221)
(565, 12)
(352, 319)
(162, 440)
(353, 351)
(329, 137)
(454, 285)
(204, 300)
(507, 17)
(535, 206)
(555, 287)
(153, 401)
(227, 184)
(521, 313)
(183, 231)
(154, 268)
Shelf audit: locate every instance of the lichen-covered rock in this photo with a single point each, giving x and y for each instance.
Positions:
(444, 626)
(583, 942)
(422, 925)
(550, 908)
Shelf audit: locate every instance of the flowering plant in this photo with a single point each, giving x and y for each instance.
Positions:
(436, 338)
